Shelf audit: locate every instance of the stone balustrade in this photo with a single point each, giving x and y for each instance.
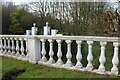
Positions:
(13, 46)
(32, 49)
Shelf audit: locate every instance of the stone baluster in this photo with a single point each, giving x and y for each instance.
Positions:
(59, 53)
(51, 53)
(115, 59)
(68, 55)
(5, 47)
(8, 47)
(13, 47)
(1, 46)
(17, 47)
(22, 56)
(90, 56)
(26, 41)
(102, 58)
(43, 50)
(79, 55)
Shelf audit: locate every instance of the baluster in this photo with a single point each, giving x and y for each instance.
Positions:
(79, 55)
(102, 58)
(90, 56)
(13, 47)
(27, 56)
(68, 55)
(17, 47)
(5, 47)
(115, 60)
(43, 50)
(22, 56)
(59, 53)
(9, 47)
(1, 46)
(51, 53)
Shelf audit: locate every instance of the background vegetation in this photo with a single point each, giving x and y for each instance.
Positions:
(71, 18)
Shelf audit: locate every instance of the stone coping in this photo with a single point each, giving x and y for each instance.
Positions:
(82, 38)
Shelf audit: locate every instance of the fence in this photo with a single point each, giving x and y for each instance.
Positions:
(32, 49)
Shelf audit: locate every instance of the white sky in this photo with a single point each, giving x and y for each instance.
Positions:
(26, 1)
(18, 1)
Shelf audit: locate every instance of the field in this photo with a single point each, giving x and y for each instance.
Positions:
(12, 68)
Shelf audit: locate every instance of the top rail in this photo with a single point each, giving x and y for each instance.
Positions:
(88, 38)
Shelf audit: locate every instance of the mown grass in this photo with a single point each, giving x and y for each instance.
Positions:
(0, 67)
(11, 67)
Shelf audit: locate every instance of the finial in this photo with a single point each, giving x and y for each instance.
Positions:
(34, 24)
(46, 23)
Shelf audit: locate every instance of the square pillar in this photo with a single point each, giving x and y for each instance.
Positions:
(34, 50)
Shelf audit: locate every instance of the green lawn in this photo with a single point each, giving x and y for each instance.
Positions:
(12, 68)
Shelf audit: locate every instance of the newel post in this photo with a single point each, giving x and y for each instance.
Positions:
(34, 50)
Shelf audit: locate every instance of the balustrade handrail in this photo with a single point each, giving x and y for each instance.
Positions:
(28, 47)
(88, 38)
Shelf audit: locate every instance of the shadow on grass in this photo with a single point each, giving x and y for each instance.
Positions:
(13, 74)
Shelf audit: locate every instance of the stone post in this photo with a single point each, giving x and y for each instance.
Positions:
(34, 50)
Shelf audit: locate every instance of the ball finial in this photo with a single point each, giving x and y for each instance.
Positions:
(34, 24)
(46, 23)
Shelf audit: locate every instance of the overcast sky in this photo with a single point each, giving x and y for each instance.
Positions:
(17, 2)
(20, 1)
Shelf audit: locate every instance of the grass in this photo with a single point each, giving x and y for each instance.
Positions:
(12, 68)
